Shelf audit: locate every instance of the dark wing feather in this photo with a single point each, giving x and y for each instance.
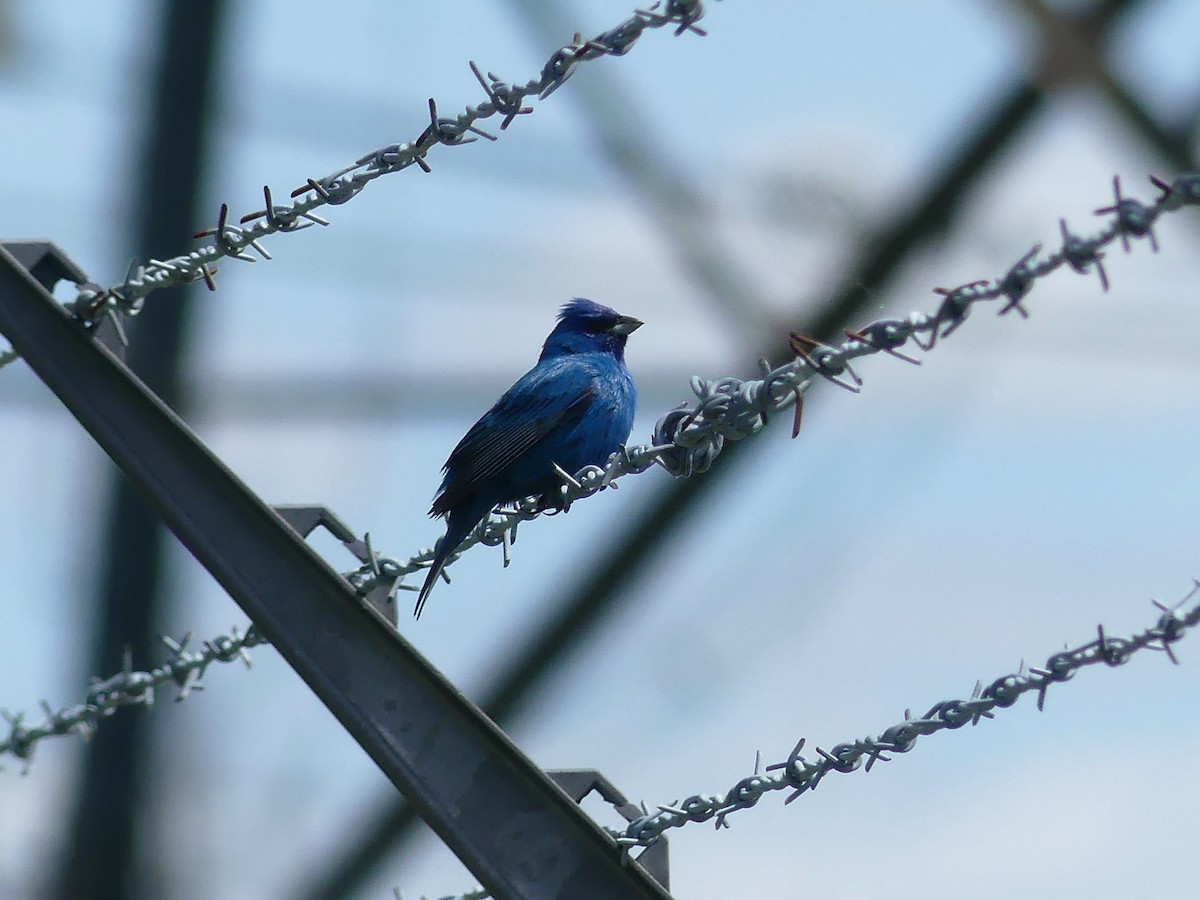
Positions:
(505, 433)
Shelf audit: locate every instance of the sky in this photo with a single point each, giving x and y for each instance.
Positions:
(1031, 479)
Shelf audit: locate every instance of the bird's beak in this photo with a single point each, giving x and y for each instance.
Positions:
(626, 325)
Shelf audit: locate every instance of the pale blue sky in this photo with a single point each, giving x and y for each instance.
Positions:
(1031, 479)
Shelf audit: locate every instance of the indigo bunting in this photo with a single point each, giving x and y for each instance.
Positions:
(574, 408)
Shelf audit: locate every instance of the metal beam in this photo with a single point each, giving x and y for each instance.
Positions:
(1072, 51)
(519, 834)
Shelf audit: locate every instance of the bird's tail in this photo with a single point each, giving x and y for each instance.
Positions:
(458, 525)
(435, 570)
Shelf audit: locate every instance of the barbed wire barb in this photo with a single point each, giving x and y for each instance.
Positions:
(802, 775)
(505, 100)
(129, 687)
(684, 442)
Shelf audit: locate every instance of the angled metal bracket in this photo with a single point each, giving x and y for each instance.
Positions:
(49, 265)
(578, 783)
(46, 262)
(304, 520)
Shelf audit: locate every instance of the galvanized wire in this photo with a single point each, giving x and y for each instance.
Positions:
(801, 775)
(797, 773)
(129, 687)
(503, 99)
(686, 440)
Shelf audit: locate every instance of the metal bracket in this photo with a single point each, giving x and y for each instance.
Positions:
(578, 783)
(304, 520)
(46, 262)
(49, 265)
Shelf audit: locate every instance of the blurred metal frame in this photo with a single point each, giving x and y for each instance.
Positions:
(104, 857)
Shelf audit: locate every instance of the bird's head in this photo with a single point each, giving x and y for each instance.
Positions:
(585, 326)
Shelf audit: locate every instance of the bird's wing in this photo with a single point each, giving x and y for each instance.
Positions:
(531, 408)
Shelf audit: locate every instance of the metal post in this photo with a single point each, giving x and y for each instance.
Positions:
(102, 857)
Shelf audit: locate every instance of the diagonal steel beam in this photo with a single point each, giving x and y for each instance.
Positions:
(521, 836)
(1072, 51)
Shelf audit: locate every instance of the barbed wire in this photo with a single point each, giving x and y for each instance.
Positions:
(130, 687)
(503, 99)
(801, 775)
(185, 668)
(687, 439)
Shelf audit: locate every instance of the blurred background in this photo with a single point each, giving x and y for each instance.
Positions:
(806, 166)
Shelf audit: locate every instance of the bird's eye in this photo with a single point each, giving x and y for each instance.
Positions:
(600, 324)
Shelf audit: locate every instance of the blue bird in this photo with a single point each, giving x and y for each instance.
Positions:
(574, 408)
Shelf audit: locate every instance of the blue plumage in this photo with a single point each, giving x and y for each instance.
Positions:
(574, 408)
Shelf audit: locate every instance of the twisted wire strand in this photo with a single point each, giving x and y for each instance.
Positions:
(685, 442)
(129, 687)
(503, 99)
(801, 775)
(797, 773)
(687, 439)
